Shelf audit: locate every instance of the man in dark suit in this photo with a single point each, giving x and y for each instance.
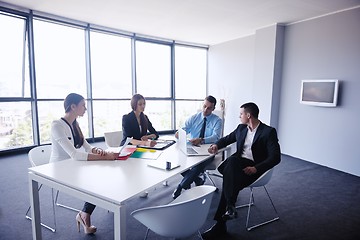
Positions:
(258, 150)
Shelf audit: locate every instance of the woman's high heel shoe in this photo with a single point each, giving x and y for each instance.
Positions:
(87, 229)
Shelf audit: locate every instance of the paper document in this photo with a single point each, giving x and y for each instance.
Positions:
(160, 144)
(128, 140)
(146, 153)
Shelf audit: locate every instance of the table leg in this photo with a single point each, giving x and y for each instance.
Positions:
(120, 223)
(35, 209)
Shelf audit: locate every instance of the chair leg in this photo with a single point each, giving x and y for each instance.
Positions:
(53, 206)
(62, 205)
(215, 174)
(263, 223)
(146, 234)
(53, 229)
(251, 201)
(207, 174)
(199, 234)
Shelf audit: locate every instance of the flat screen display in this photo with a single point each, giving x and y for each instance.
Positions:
(319, 92)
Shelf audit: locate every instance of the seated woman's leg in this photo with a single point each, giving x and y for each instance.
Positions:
(83, 218)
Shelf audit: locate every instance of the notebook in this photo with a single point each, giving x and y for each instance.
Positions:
(125, 153)
(188, 149)
(160, 144)
(146, 153)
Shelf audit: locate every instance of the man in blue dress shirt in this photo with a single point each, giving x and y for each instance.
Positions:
(204, 127)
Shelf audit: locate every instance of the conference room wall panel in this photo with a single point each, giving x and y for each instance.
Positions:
(231, 70)
(325, 47)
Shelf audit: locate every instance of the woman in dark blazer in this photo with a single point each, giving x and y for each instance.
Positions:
(137, 125)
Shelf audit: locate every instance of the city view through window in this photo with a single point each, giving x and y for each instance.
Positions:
(100, 66)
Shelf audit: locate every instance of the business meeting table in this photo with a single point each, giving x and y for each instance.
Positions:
(107, 184)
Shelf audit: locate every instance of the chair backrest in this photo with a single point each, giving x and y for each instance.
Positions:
(180, 218)
(221, 115)
(39, 155)
(263, 179)
(113, 139)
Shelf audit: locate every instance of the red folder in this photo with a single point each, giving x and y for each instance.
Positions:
(126, 152)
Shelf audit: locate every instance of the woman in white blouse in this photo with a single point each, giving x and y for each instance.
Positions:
(67, 139)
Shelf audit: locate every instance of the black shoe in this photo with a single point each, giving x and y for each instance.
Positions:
(177, 192)
(199, 181)
(230, 213)
(187, 187)
(217, 230)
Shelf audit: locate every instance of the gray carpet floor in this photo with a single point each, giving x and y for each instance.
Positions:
(314, 202)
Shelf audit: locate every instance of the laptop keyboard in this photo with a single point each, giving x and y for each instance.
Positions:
(190, 150)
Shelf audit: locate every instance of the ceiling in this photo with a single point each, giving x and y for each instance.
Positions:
(205, 22)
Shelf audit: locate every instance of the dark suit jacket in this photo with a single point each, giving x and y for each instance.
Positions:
(265, 147)
(131, 128)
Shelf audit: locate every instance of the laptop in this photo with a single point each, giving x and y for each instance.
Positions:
(187, 148)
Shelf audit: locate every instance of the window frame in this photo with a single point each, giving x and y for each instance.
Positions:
(29, 16)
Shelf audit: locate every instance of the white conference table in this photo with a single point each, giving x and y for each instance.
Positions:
(107, 184)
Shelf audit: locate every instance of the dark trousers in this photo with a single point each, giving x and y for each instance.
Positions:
(234, 180)
(88, 208)
(191, 174)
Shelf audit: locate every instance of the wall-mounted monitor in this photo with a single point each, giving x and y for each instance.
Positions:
(322, 92)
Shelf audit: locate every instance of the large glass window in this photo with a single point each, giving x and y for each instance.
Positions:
(110, 66)
(60, 70)
(60, 60)
(16, 125)
(153, 69)
(190, 81)
(15, 111)
(14, 77)
(171, 77)
(159, 113)
(184, 109)
(190, 72)
(107, 115)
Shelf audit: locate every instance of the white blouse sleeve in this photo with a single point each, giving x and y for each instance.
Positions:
(87, 146)
(62, 138)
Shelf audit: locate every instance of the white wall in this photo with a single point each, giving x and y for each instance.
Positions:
(230, 75)
(267, 72)
(326, 47)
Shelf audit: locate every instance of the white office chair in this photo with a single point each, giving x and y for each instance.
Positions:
(113, 139)
(180, 218)
(38, 156)
(262, 181)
